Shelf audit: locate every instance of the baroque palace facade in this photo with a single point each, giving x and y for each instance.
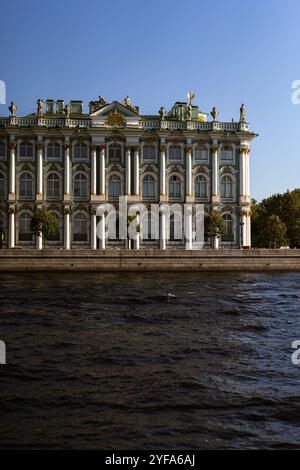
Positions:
(72, 162)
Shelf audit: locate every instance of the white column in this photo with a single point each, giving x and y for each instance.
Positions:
(163, 170)
(93, 231)
(138, 235)
(188, 171)
(189, 229)
(93, 171)
(162, 226)
(39, 181)
(39, 242)
(67, 172)
(11, 229)
(215, 172)
(128, 170)
(67, 229)
(136, 171)
(244, 172)
(12, 171)
(102, 170)
(102, 232)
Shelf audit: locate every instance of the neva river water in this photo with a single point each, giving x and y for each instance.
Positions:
(154, 360)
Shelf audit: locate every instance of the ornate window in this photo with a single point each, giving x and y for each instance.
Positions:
(149, 152)
(114, 186)
(25, 185)
(26, 150)
(115, 152)
(53, 151)
(175, 152)
(80, 227)
(226, 187)
(80, 185)
(53, 186)
(25, 233)
(201, 186)
(174, 186)
(2, 149)
(80, 151)
(200, 154)
(2, 186)
(227, 154)
(228, 228)
(148, 186)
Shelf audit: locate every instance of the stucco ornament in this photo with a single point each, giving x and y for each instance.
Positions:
(214, 113)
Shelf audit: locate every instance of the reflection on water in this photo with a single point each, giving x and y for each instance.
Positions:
(155, 360)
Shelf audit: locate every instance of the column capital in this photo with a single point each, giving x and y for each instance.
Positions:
(136, 148)
(67, 146)
(12, 208)
(162, 147)
(215, 147)
(12, 145)
(244, 149)
(94, 147)
(102, 147)
(40, 146)
(188, 149)
(128, 148)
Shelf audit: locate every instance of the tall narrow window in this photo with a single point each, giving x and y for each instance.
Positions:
(228, 228)
(200, 154)
(226, 187)
(80, 185)
(200, 186)
(26, 185)
(175, 152)
(148, 186)
(80, 151)
(175, 227)
(115, 152)
(25, 233)
(114, 186)
(226, 154)
(174, 186)
(80, 227)
(53, 186)
(149, 152)
(2, 186)
(2, 149)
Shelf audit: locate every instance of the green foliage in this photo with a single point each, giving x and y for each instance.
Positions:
(287, 207)
(214, 224)
(44, 223)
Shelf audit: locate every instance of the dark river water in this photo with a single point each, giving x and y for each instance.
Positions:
(150, 361)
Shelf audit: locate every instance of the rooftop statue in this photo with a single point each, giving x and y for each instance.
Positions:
(101, 102)
(12, 108)
(40, 106)
(67, 110)
(190, 96)
(189, 111)
(214, 113)
(242, 113)
(162, 112)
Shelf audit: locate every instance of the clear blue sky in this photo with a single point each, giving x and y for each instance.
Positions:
(226, 52)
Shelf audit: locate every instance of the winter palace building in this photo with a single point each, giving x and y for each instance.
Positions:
(72, 162)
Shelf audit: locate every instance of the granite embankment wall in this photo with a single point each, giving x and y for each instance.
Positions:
(149, 260)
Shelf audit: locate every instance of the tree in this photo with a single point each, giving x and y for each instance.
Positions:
(44, 224)
(275, 232)
(214, 227)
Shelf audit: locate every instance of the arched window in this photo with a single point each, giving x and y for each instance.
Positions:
(25, 233)
(80, 185)
(175, 152)
(53, 186)
(115, 152)
(200, 154)
(2, 149)
(226, 186)
(149, 152)
(200, 186)
(174, 186)
(114, 186)
(2, 186)
(26, 150)
(228, 228)
(148, 186)
(80, 227)
(56, 235)
(53, 151)
(26, 184)
(226, 154)
(175, 227)
(80, 151)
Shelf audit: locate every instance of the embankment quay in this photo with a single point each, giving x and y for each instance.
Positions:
(149, 260)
